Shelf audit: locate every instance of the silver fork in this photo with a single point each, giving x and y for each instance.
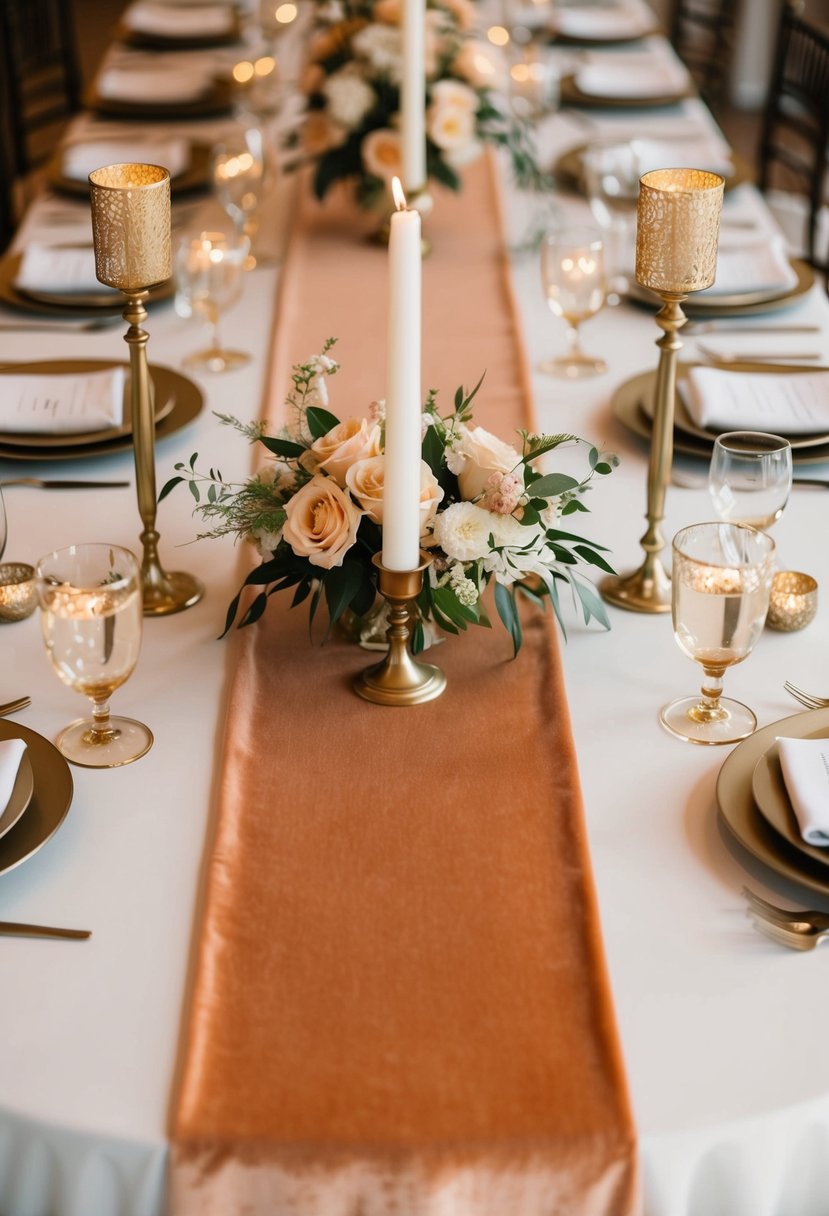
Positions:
(806, 698)
(795, 929)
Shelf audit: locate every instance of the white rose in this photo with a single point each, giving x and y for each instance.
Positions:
(463, 531)
(366, 481)
(453, 93)
(481, 65)
(349, 98)
(450, 127)
(483, 454)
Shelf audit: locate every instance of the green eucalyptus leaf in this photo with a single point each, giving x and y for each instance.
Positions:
(320, 421)
(508, 612)
(553, 484)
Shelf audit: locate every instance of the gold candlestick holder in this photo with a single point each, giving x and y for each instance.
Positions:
(677, 228)
(131, 234)
(399, 679)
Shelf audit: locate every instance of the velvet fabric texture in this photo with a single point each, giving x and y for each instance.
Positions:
(401, 1004)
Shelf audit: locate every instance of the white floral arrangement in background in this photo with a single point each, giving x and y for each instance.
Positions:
(351, 86)
(487, 513)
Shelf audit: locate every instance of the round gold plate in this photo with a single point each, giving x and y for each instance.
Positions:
(50, 800)
(178, 402)
(75, 306)
(20, 797)
(572, 95)
(632, 402)
(768, 789)
(196, 176)
(743, 304)
(739, 812)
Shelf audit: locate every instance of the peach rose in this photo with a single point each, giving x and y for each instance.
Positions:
(388, 11)
(382, 154)
(319, 133)
(462, 10)
(321, 523)
(346, 442)
(483, 454)
(482, 65)
(366, 481)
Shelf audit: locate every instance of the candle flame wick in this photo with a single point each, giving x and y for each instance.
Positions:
(398, 194)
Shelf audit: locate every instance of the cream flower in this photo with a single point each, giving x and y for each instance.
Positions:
(349, 98)
(366, 481)
(483, 454)
(382, 154)
(450, 127)
(344, 444)
(464, 155)
(382, 47)
(462, 10)
(321, 523)
(453, 93)
(481, 65)
(463, 531)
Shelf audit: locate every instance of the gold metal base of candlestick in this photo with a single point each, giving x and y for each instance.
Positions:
(399, 679)
(172, 592)
(647, 589)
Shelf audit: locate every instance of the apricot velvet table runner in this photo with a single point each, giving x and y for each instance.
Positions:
(401, 1003)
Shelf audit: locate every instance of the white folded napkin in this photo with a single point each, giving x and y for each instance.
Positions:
(632, 76)
(700, 151)
(755, 265)
(784, 405)
(11, 753)
(805, 765)
(154, 86)
(80, 159)
(624, 20)
(62, 404)
(62, 269)
(203, 19)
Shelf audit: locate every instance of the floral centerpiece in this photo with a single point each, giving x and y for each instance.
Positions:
(351, 85)
(488, 514)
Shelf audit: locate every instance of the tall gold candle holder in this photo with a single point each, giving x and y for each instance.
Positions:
(677, 228)
(131, 233)
(399, 679)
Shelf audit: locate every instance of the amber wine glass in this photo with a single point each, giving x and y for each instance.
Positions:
(722, 575)
(92, 615)
(573, 280)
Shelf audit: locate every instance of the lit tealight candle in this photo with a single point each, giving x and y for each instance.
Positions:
(401, 498)
(793, 601)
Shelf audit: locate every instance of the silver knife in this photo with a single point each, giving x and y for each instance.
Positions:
(11, 928)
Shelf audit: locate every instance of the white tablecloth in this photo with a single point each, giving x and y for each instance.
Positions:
(720, 1028)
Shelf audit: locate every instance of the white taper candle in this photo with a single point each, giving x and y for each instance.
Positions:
(413, 95)
(401, 496)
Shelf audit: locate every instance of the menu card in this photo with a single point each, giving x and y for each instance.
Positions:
(805, 765)
(80, 159)
(783, 404)
(61, 269)
(62, 404)
(11, 753)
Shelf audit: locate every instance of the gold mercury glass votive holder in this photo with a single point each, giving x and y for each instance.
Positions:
(793, 601)
(18, 591)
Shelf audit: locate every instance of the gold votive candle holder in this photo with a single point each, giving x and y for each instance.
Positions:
(793, 601)
(18, 591)
(131, 226)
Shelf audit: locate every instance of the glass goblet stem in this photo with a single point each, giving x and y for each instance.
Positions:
(101, 731)
(709, 708)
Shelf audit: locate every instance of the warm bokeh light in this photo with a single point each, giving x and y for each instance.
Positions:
(264, 65)
(243, 72)
(497, 35)
(285, 13)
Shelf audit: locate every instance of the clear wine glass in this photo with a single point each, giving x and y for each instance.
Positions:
(92, 615)
(750, 477)
(238, 171)
(573, 280)
(611, 178)
(722, 575)
(209, 271)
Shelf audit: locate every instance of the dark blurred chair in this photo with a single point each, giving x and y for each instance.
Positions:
(8, 210)
(702, 34)
(40, 75)
(794, 144)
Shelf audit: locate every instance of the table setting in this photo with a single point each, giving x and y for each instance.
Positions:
(304, 984)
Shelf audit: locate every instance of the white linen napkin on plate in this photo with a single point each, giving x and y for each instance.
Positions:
(155, 86)
(702, 151)
(62, 404)
(62, 269)
(11, 753)
(805, 765)
(632, 76)
(81, 158)
(203, 19)
(755, 265)
(724, 400)
(624, 20)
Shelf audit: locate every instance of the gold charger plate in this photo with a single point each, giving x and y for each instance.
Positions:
(67, 305)
(740, 815)
(21, 795)
(184, 398)
(164, 403)
(569, 170)
(742, 304)
(217, 101)
(150, 40)
(50, 800)
(630, 404)
(572, 95)
(195, 177)
(768, 788)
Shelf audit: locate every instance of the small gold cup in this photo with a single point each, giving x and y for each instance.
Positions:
(18, 591)
(793, 601)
